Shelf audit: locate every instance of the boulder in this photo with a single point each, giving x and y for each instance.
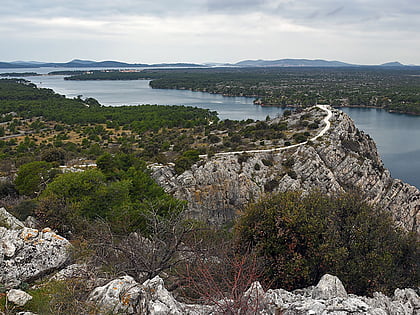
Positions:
(8, 221)
(127, 296)
(329, 287)
(18, 297)
(75, 271)
(27, 254)
(119, 295)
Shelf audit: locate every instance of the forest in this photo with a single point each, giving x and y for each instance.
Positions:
(396, 90)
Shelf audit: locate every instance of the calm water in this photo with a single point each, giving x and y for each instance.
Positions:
(135, 92)
(397, 136)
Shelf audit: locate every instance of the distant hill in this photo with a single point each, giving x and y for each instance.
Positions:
(292, 63)
(393, 64)
(78, 63)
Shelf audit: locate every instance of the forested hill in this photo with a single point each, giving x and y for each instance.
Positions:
(391, 89)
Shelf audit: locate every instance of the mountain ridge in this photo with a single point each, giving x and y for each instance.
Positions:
(79, 63)
(287, 62)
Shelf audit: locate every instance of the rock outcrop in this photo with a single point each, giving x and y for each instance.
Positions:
(341, 159)
(328, 297)
(27, 254)
(18, 297)
(125, 295)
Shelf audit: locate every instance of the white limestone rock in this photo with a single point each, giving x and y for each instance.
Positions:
(18, 297)
(127, 296)
(8, 221)
(71, 272)
(329, 287)
(159, 301)
(151, 298)
(27, 254)
(119, 295)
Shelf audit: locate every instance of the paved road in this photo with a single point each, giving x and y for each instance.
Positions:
(326, 120)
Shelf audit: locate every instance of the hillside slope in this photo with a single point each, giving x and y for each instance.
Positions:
(343, 159)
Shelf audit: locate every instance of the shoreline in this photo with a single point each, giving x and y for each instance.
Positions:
(346, 106)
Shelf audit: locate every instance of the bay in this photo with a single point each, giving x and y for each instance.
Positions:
(397, 135)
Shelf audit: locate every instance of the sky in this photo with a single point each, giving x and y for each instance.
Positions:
(200, 31)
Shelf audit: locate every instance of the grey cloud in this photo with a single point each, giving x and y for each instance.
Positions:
(335, 11)
(298, 10)
(97, 9)
(235, 5)
(320, 14)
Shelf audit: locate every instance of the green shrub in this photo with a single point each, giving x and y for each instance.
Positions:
(313, 125)
(243, 157)
(186, 160)
(271, 185)
(289, 162)
(267, 162)
(74, 200)
(301, 237)
(32, 177)
(287, 113)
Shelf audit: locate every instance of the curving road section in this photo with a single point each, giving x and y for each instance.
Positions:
(326, 120)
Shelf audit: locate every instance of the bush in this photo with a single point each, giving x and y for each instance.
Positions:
(267, 162)
(24, 209)
(186, 160)
(300, 238)
(313, 125)
(287, 113)
(299, 137)
(74, 200)
(32, 177)
(243, 157)
(213, 138)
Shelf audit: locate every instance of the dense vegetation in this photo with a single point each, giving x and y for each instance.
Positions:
(120, 191)
(299, 238)
(37, 123)
(392, 89)
(27, 101)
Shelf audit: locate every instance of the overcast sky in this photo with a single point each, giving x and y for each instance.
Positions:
(153, 31)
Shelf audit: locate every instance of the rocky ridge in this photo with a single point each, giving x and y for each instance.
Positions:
(343, 158)
(124, 295)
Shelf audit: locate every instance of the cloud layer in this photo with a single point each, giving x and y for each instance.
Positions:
(359, 31)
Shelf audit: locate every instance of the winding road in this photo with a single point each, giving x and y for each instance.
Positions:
(326, 120)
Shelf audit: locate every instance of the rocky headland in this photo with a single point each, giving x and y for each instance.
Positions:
(343, 159)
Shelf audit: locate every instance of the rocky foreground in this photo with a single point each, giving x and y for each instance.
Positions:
(28, 254)
(344, 158)
(327, 297)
